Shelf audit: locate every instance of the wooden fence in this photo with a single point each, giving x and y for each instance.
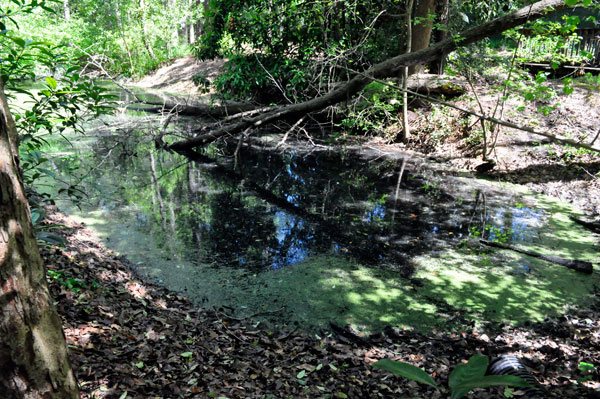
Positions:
(582, 48)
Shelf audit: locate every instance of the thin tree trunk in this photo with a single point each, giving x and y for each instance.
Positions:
(443, 11)
(405, 127)
(66, 10)
(122, 32)
(33, 352)
(388, 68)
(144, 37)
(421, 30)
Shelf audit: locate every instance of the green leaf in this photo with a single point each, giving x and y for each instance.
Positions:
(487, 381)
(123, 395)
(301, 374)
(187, 354)
(583, 366)
(571, 3)
(139, 365)
(20, 42)
(50, 238)
(406, 370)
(51, 82)
(476, 367)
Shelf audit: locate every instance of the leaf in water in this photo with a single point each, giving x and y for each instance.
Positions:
(406, 370)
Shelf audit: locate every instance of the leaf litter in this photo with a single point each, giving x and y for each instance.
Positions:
(131, 338)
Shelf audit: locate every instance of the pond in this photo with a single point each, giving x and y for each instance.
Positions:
(306, 235)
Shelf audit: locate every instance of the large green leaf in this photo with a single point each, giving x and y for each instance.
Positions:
(486, 381)
(476, 367)
(51, 82)
(406, 370)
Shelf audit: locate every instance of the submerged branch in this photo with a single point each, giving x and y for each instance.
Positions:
(578, 265)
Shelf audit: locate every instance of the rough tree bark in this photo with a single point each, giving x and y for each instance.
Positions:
(421, 30)
(443, 12)
(388, 68)
(33, 351)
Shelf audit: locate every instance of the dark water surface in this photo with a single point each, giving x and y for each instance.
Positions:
(213, 225)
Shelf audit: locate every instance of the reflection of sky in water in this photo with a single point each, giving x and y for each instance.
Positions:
(293, 175)
(292, 199)
(525, 222)
(375, 214)
(297, 250)
(524, 225)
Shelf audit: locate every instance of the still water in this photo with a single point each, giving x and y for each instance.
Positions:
(225, 229)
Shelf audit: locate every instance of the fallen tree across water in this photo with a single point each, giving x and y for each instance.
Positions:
(579, 265)
(383, 70)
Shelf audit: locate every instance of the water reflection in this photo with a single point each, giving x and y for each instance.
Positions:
(277, 209)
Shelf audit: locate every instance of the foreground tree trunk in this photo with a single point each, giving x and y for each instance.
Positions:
(388, 68)
(33, 351)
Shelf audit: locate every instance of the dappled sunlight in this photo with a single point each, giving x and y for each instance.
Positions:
(500, 290)
(81, 336)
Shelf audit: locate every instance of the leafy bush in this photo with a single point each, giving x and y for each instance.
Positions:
(464, 378)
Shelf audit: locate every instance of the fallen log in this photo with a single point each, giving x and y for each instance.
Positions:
(435, 85)
(386, 69)
(423, 83)
(215, 111)
(578, 265)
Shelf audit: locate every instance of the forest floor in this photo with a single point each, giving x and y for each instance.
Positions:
(130, 338)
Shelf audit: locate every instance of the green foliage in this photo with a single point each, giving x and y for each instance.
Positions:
(264, 78)
(129, 37)
(50, 95)
(376, 111)
(302, 46)
(70, 283)
(464, 378)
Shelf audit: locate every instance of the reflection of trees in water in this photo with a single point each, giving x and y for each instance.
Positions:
(347, 197)
(226, 225)
(335, 202)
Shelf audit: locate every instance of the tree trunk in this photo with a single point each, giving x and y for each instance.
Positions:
(66, 10)
(388, 68)
(443, 12)
(421, 30)
(404, 135)
(142, 15)
(33, 351)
